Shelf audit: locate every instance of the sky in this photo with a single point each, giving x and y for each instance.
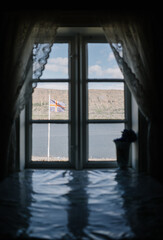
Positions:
(101, 64)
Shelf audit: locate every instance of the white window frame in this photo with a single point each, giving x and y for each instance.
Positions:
(84, 114)
(78, 133)
(29, 121)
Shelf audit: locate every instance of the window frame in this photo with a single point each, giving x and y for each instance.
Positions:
(30, 121)
(127, 106)
(78, 94)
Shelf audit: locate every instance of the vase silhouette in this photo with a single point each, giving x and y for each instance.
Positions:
(122, 151)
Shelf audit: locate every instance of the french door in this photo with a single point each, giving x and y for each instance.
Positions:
(79, 106)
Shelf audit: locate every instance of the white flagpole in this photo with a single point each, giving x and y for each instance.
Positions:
(49, 131)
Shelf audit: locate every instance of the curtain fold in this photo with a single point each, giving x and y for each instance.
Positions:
(21, 33)
(138, 67)
(135, 63)
(40, 56)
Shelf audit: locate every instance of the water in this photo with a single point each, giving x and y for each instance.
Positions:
(101, 145)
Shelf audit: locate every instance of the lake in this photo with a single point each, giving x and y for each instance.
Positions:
(101, 145)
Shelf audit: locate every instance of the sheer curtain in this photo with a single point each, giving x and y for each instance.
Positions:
(21, 34)
(137, 65)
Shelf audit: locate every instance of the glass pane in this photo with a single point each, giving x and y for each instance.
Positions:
(106, 101)
(50, 101)
(101, 145)
(101, 62)
(57, 64)
(50, 142)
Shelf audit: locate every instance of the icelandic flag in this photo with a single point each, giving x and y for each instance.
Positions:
(56, 106)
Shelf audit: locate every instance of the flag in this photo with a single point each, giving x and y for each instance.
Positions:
(56, 106)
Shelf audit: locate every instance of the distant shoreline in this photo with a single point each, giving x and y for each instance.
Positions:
(62, 159)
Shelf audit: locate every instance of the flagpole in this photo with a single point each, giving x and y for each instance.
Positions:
(49, 130)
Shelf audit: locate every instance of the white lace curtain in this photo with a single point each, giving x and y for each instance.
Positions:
(137, 66)
(21, 34)
(135, 63)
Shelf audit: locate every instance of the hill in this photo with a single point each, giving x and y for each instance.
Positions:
(103, 104)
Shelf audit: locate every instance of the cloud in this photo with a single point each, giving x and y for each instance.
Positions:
(113, 72)
(111, 57)
(98, 71)
(57, 65)
(95, 69)
(60, 65)
(60, 60)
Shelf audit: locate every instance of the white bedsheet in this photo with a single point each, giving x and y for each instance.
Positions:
(87, 204)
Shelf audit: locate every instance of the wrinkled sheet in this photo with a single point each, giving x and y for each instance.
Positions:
(86, 204)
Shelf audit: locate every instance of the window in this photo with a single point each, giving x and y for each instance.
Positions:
(105, 107)
(78, 107)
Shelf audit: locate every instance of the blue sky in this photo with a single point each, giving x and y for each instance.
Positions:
(101, 63)
(57, 65)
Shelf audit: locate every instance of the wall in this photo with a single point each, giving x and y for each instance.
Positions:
(135, 127)
(22, 141)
